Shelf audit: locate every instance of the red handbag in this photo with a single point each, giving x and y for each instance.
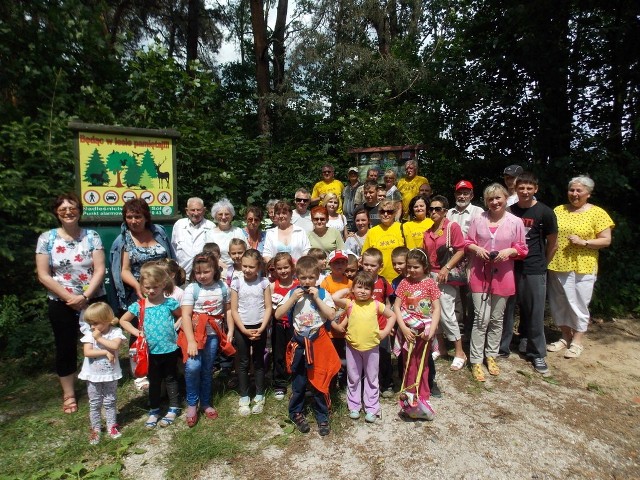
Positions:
(140, 357)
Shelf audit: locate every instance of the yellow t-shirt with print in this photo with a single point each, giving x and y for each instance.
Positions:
(334, 186)
(587, 224)
(414, 232)
(385, 240)
(363, 332)
(409, 189)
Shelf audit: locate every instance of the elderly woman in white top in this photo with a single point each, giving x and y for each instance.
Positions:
(287, 237)
(222, 213)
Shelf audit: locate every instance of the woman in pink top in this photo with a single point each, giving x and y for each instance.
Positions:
(496, 238)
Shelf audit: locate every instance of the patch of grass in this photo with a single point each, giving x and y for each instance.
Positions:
(38, 441)
(594, 387)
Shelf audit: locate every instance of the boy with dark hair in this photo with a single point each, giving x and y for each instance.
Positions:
(310, 354)
(541, 228)
(370, 193)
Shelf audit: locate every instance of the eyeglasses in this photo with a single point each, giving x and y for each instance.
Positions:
(386, 212)
(319, 219)
(62, 211)
(302, 200)
(436, 209)
(253, 220)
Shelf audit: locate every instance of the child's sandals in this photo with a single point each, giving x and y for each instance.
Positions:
(192, 416)
(152, 421)
(69, 404)
(170, 417)
(211, 413)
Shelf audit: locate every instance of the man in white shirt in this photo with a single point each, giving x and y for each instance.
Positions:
(463, 212)
(189, 234)
(301, 215)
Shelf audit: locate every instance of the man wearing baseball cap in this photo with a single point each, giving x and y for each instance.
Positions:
(462, 214)
(510, 176)
(349, 195)
(464, 211)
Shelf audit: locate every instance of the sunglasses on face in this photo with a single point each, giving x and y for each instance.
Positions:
(319, 219)
(302, 200)
(64, 210)
(386, 212)
(327, 171)
(436, 209)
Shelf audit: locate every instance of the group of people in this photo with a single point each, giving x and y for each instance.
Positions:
(334, 287)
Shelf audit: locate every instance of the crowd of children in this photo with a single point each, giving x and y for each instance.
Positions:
(327, 329)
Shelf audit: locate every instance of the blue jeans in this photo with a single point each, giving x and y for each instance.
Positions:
(299, 387)
(198, 371)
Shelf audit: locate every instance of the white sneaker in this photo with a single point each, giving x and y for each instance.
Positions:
(279, 394)
(243, 406)
(258, 406)
(522, 348)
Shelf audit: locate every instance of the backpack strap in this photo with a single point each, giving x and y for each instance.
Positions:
(196, 292)
(141, 304)
(53, 233)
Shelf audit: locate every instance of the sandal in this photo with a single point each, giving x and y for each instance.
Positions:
(152, 421)
(557, 346)
(574, 351)
(476, 371)
(170, 417)
(492, 366)
(69, 404)
(211, 413)
(192, 416)
(458, 364)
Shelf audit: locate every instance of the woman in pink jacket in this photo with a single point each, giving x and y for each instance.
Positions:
(496, 239)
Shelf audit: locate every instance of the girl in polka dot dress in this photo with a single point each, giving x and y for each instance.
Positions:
(417, 308)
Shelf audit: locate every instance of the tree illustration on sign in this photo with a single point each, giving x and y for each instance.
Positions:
(117, 162)
(148, 165)
(146, 181)
(133, 174)
(95, 172)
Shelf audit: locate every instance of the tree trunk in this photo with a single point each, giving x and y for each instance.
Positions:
(193, 30)
(261, 45)
(278, 46)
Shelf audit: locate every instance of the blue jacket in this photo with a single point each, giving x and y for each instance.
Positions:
(115, 258)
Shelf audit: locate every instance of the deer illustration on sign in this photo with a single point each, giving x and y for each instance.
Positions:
(162, 176)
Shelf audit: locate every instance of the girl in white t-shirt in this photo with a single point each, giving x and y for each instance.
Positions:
(251, 312)
(204, 309)
(101, 368)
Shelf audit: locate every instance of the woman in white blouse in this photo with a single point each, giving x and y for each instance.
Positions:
(286, 237)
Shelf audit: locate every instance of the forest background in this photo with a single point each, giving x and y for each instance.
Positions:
(550, 85)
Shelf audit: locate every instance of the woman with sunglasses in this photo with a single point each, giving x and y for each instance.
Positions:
(70, 263)
(326, 238)
(419, 221)
(435, 243)
(286, 237)
(385, 237)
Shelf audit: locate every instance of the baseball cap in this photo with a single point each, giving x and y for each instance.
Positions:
(337, 255)
(353, 169)
(464, 184)
(513, 170)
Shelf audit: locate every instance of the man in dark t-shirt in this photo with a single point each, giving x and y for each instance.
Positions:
(541, 228)
(371, 202)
